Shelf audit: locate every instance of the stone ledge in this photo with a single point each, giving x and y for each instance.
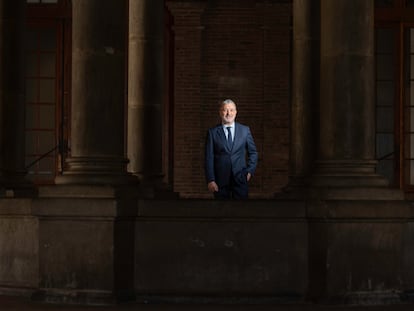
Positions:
(360, 209)
(15, 206)
(88, 191)
(355, 193)
(76, 207)
(254, 209)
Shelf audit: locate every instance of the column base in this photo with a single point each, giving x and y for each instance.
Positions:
(341, 180)
(86, 178)
(352, 181)
(96, 170)
(347, 173)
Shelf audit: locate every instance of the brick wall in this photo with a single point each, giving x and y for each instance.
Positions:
(238, 49)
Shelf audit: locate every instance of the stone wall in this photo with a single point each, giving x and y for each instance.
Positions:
(100, 247)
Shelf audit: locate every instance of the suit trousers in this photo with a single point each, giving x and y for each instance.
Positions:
(237, 188)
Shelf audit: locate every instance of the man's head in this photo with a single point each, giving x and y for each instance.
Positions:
(227, 111)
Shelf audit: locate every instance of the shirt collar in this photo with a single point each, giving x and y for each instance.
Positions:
(228, 125)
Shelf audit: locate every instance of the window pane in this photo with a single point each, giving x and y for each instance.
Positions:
(30, 143)
(31, 117)
(46, 117)
(409, 119)
(47, 65)
(31, 65)
(385, 93)
(385, 146)
(409, 169)
(49, 1)
(47, 166)
(33, 1)
(385, 100)
(39, 142)
(385, 40)
(385, 67)
(46, 142)
(411, 153)
(31, 39)
(410, 114)
(47, 91)
(41, 170)
(386, 169)
(31, 90)
(410, 100)
(411, 62)
(385, 119)
(47, 39)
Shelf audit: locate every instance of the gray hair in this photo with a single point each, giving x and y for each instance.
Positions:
(226, 102)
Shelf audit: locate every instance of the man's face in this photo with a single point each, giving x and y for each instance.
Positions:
(228, 113)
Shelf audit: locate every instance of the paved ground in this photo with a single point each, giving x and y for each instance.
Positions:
(23, 304)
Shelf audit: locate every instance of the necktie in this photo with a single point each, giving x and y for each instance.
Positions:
(229, 138)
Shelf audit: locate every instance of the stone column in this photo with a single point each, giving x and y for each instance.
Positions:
(12, 100)
(305, 73)
(145, 89)
(98, 94)
(347, 111)
(349, 204)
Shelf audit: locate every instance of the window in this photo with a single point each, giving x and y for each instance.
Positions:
(394, 51)
(408, 124)
(385, 102)
(41, 102)
(47, 52)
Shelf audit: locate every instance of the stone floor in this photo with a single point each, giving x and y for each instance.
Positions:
(22, 304)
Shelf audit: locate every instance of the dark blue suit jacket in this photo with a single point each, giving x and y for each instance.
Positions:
(221, 162)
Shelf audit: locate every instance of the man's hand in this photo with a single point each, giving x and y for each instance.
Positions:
(212, 186)
(249, 176)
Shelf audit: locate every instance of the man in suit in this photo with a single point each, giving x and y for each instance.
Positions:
(227, 146)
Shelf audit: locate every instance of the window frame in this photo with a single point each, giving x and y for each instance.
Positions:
(399, 17)
(58, 16)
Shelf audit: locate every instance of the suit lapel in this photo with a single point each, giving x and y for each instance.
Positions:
(237, 134)
(222, 137)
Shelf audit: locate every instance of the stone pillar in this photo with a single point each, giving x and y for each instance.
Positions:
(305, 70)
(347, 108)
(348, 202)
(12, 100)
(98, 94)
(145, 89)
